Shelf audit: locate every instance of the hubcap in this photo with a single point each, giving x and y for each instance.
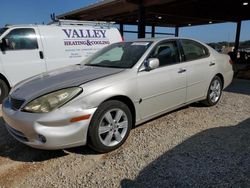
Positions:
(215, 91)
(113, 127)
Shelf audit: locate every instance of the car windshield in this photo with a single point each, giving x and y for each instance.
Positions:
(2, 30)
(119, 55)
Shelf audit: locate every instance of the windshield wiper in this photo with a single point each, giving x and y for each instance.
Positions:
(105, 66)
(93, 65)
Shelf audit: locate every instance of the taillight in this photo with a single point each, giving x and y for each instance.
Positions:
(231, 61)
(122, 39)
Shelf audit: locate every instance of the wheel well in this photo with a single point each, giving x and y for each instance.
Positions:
(221, 77)
(2, 77)
(128, 102)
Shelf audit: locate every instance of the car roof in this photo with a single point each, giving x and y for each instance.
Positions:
(158, 39)
(150, 39)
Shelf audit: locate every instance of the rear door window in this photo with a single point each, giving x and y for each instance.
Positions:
(193, 50)
(21, 39)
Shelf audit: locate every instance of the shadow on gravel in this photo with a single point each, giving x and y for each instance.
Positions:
(218, 157)
(83, 150)
(160, 116)
(239, 86)
(11, 148)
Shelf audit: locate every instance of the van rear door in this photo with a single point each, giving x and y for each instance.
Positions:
(23, 56)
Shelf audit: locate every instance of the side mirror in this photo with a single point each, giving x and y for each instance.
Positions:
(3, 44)
(151, 63)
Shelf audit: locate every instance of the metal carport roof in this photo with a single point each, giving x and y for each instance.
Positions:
(171, 13)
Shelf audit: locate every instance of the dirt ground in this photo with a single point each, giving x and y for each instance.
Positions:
(195, 146)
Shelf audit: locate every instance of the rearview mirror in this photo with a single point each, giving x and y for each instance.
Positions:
(151, 63)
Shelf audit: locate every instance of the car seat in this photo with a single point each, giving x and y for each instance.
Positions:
(164, 55)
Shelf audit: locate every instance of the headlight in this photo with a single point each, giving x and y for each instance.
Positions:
(51, 101)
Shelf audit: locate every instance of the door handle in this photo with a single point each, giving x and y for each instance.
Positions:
(181, 71)
(211, 64)
(41, 55)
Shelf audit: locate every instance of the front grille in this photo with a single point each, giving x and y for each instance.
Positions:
(16, 103)
(17, 134)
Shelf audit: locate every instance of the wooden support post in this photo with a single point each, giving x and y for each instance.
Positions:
(121, 29)
(176, 31)
(237, 37)
(153, 31)
(141, 21)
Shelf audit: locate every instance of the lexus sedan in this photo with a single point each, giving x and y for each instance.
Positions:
(125, 84)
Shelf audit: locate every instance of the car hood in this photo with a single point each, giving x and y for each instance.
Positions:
(59, 79)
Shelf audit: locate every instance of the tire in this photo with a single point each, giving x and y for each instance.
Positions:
(4, 90)
(214, 92)
(110, 126)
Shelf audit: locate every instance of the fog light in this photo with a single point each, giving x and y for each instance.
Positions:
(41, 138)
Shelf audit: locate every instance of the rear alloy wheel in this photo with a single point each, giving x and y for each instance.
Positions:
(110, 126)
(214, 92)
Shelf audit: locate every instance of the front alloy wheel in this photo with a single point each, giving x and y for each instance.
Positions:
(110, 126)
(113, 127)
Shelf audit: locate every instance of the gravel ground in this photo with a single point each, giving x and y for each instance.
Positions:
(192, 147)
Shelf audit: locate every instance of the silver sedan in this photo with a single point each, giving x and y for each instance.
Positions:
(125, 84)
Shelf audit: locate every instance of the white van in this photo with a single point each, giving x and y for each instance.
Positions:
(27, 50)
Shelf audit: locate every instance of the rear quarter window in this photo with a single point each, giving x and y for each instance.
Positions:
(193, 50)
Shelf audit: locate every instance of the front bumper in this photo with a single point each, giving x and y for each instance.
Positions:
(55, 127)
